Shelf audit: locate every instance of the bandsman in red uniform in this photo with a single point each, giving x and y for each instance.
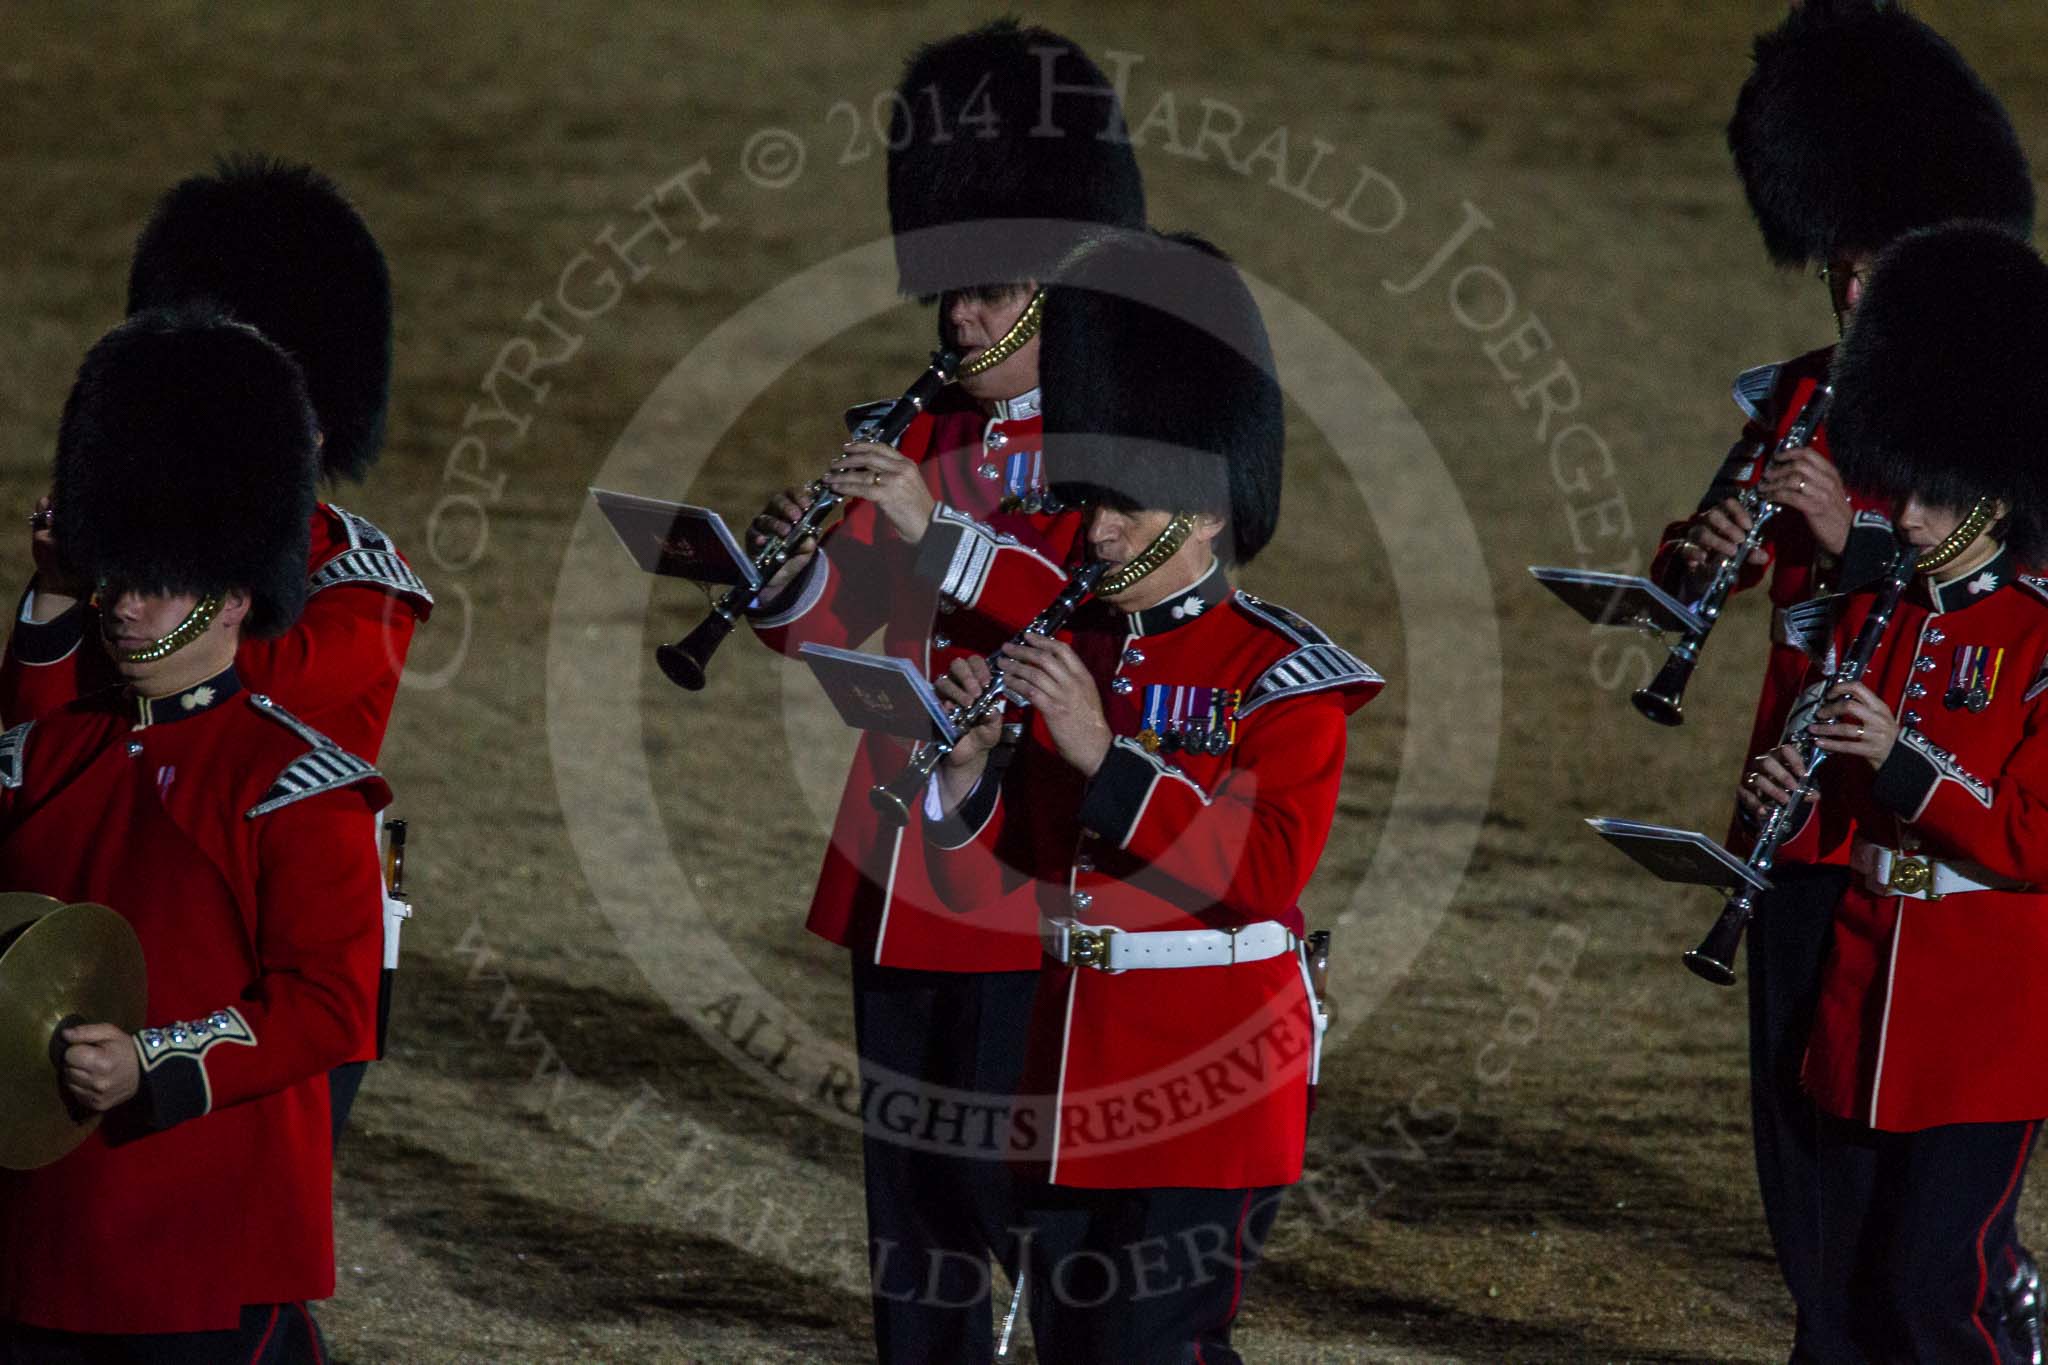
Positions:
(196, 1222)
(1926, 1047)
(1166, 811)
(276, 246)
(983, 200)
(1857, 123)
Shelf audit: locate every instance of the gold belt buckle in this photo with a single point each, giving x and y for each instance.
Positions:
(1089, 947)
(1910, 875)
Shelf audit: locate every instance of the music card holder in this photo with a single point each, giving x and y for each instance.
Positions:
(1681, 855)
(1617, 599)
(676, 540)
(879, 692)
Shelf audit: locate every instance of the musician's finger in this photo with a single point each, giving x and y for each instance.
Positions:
(1783, 764)
(1860, 692)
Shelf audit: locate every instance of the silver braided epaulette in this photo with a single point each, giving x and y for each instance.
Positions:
(371, 559)
(327, 768)
(1312, 668)
(1753, 387)
(13, 764)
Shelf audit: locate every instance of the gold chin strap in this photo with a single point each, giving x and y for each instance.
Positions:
(1962, 538)
(1163, 547)
(184, 633)
(1012, 341)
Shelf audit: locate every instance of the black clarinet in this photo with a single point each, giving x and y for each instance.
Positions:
(684, 661)
(1663, 700)
(1714, 959)
(892, 799)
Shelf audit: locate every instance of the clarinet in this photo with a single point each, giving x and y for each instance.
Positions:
(1714, 958)
(685, 660)
(892, 799)
(1663, 700)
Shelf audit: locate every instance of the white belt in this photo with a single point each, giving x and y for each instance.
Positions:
(1115, 950)
(1886, 873)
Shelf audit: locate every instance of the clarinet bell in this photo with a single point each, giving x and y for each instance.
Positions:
(1657, 706)
(1714, 959)
(1702, 963)
(890, 805)
(1664, 699)
(684, 661)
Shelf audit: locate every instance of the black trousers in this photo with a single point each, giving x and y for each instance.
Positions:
(1915, 1228)
(1787, 947)
(1142, 1277)
(269, 1334)
(940, 1055)
(342, 1084)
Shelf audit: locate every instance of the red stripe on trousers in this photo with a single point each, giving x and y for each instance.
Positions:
(2019, 1167)
(266, 1336)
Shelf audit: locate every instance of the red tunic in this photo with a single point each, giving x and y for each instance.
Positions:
(1192, 1076)
(1772, 397)
(238, 843)
(1930, 1010)
(874, 893)
(338, 666)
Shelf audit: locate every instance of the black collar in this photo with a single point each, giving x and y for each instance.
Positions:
(1970, 588)
(184, 705)
(1205, 592)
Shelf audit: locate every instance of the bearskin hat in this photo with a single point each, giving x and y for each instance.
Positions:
(277, 246)
(1159, 385)
(186, 463)
(1859, 123)
(990, 137)
(1941, 384)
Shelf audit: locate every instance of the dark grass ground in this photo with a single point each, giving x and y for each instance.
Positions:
(1533, 1146)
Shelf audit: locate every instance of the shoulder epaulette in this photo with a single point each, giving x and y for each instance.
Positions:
(370, 559)
(1316, 664)
(1296, 628)
(1753, 389)
(325, 768)
(12, 754)
(2035, 584)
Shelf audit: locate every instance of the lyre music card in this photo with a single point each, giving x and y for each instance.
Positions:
(879, 692)
(676, 540)
(1614, 599)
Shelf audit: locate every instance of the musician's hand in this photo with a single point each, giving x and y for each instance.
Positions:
(890, 481)
(777, 518)
(1714, 535)
(1048, 674)
(961, 770)
(1807, 482)
(55, 594)
(1772, 776)
(101, 1067)
(1853, 720)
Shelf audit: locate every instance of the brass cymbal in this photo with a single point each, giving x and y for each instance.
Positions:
(81, 961)
(19, 908)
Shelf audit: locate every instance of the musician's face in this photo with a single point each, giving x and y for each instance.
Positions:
(1846, 276)
(1924, 526)
(975, 319)
(131, 620)
(1117, 538)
